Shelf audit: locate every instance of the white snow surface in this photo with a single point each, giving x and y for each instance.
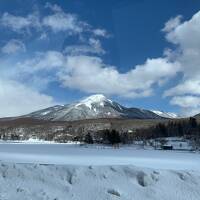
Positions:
(46, 112)
(61, 182)
(63, 171)
(165, 114)
(71, 154)
(97, 98)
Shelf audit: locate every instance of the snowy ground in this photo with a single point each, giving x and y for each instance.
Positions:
(57, 182)
(64, 171)
(76, 155)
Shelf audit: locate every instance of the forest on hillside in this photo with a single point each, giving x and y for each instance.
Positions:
(187, 128)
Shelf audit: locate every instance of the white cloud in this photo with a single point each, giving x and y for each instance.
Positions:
(43, 36)
(172, 24)
(190, 86)
(17, 99)
(63, 22)
(96, 44)
(91, 74)
(13, 46)
(82, 50)
(53, 7)
(19, 23)
(186, 101)
(57, 21)
(186, 37)
(42, 61)
(80, 66)
(190, 104)
(100, 32)
(181, 33)
(93, 47)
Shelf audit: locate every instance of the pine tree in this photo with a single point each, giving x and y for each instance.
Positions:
(88, 139)
(113, 137)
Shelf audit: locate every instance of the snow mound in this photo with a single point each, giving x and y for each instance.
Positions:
(59, 182)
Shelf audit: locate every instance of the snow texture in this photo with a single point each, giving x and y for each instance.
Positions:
(89, 101)
(71, 154)
(60, 182)
(64, 171)
(166, 114)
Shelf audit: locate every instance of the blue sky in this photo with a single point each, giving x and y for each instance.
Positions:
(139, 53)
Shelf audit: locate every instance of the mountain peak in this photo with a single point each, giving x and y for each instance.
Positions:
(92, 107)
(94, 99)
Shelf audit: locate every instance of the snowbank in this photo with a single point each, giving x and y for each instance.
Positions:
(59, 182)
(63, 171)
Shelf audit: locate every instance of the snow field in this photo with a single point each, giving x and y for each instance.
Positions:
(69, 154)
(59, 182)
(72, 172)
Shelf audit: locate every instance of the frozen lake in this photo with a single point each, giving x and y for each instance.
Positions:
(66, 154)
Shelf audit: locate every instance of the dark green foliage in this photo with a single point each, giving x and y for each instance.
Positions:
(114, 137)
(189, 128)
(192, 122)
(111, 137)
(88, 139)
(180, 129)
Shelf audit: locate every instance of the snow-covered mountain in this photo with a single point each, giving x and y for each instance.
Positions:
(92, 107)
(165, 114)
(197, 116)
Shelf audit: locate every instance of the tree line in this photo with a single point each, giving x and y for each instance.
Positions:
(189, 129)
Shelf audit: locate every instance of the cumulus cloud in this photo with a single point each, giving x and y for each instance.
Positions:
(190, 86)
(13, 46)
(17, 99)
(186, 37)
(80, 66)
(190, 104)
(22, 83)
(90, 74)
(186, 101)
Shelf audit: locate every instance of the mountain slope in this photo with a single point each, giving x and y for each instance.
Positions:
(197, 116)
(92, 107)
(165, 114)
